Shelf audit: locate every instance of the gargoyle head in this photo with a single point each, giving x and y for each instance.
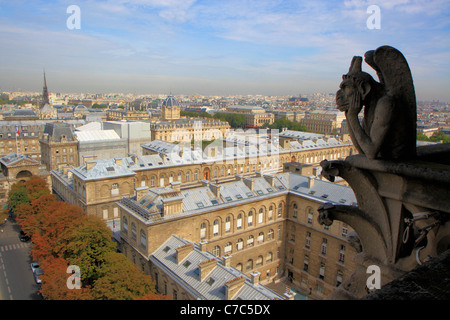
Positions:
(354, 88)
(325, 215)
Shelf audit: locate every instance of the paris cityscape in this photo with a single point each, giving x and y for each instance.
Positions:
(186, 150)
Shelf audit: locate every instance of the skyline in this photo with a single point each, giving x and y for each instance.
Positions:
(216, 47)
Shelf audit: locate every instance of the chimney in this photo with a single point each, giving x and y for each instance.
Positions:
(216, 189)
(203, 245)
(233, 286)
(206, 267)
(255, 277)
(140, 192)
(227, 261)
(90, 165)
(183, 251)
(89, 158)
(205, 183)
(271, 179)
(118, 161)
(259, 174)
(250, 183)
(176, 185)
(311, 180)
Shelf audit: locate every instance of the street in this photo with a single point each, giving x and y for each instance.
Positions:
(16, 278)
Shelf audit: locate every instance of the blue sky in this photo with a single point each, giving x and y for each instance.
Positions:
(212, 47)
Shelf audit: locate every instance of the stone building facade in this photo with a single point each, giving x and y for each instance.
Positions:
(265, 225)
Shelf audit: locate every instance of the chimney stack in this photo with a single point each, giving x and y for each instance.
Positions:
(206, 267)
(183, 251)
(233, 286)
(311, 180)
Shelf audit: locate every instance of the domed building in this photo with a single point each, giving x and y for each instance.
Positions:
(170, 108)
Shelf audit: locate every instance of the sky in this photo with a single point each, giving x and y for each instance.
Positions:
(224, 47)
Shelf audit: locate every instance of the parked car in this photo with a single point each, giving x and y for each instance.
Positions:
(23, 237)
(34, 266)
(37, 275)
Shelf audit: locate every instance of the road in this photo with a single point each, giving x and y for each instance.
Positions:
(16, 278)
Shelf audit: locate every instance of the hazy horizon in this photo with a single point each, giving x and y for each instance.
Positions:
(272, 48)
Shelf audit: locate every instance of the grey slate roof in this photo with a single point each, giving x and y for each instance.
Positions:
(212, 286)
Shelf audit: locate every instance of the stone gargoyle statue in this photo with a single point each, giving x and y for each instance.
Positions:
(388, 128)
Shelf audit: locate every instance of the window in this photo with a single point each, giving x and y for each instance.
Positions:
(133, 231)
(228, 248)
(216, 228)
(249, 264)
(250, 219)
(196, 175)
(152, 181)
(306, 263)
(294, 211)
(250, 241)
(143, 239)
(260, 237)
(308, 240)
(228, 224)
(280, 209)
(270, 234)
(114, 189)
(269, 257)
(216, 251)
(125, 225)
(323, 250)
(203, 231)
(342, 253)
(188, 176)
(322, 271)
(310, 215)
(239, 221)
(240, 244)
(259, 261)
(270, 217)
(339, 278)
(344, 230)
(261, 216)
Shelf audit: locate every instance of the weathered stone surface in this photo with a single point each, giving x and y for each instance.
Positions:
(429, 281)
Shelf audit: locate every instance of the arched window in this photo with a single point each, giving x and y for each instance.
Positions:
(196, 175)
(143, 239)
(240, 244)
(250, 218)
(270, 215)
(152, 181)
(239, 267)
(260, 237)
(280, 209)
(143, 181)
(270, 234)
(261, 216)
(294, 210)
(228, 248)
(228, 224)
(250, 241)
(216, 251)
(216, 228)
(239, 221)
(188, 176)
(203, 230)
(249, 264)
(259, 261)
(269, 257)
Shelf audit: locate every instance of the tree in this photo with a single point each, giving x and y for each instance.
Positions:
(17, 195)
(27, 214)
(87, 245)
(36, 187)
(120, 279)
(233, 119)
(54, 282)
(285, 123)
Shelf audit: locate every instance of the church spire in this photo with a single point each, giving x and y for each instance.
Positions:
(45, 98)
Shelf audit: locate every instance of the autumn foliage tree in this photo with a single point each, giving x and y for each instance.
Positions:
(63, 235)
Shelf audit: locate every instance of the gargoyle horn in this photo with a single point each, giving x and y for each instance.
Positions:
(356, 65)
